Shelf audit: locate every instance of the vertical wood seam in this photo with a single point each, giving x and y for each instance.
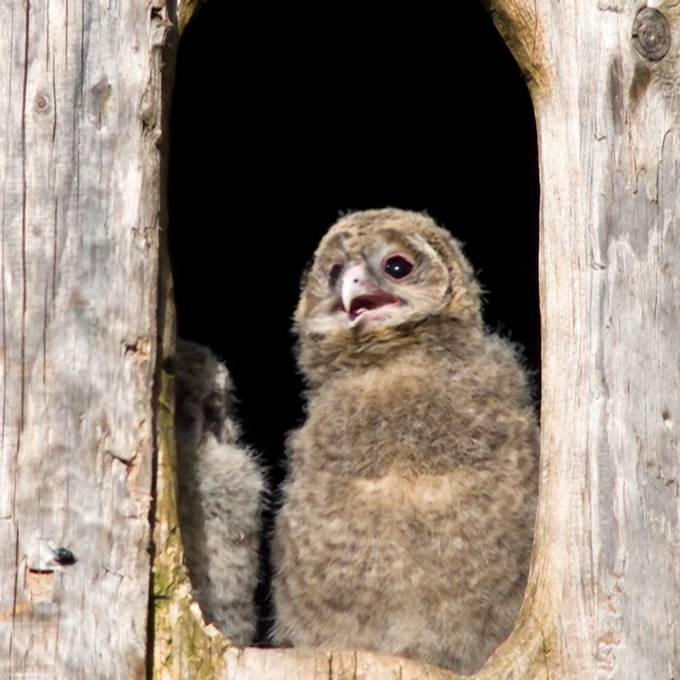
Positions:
(2, 269)
(24, 191)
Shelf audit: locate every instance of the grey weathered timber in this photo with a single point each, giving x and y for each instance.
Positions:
(611, 301)
(80, 168)
(604, 590)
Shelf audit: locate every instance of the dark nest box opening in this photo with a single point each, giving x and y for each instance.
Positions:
(281, 120)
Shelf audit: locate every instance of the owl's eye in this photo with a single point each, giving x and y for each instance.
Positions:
(334, 274)
(397, 267)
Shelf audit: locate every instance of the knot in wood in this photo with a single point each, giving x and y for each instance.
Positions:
(651, 34)
(41, 103)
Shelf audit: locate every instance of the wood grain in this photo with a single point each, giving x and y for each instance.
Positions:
(605, 580)
(79, 218)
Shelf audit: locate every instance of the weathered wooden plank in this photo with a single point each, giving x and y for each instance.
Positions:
(605, 579)
(612, 387)
(81, 91)
(313, 664)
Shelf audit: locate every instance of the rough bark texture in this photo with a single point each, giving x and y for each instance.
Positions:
(608, 541)
(604, 587)
(80, 85)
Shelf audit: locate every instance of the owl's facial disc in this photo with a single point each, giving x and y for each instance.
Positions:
(361, 300)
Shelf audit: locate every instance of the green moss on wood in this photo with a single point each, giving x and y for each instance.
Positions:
(184, 647)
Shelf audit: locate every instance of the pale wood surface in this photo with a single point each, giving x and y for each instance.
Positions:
(606, 577)
(312, 664)
(79, 219)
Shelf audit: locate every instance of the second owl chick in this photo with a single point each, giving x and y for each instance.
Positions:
(220, 491)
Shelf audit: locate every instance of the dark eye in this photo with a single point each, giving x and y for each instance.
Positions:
(397, 266)
(334, 274)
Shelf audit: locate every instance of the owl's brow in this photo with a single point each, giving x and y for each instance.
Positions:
(397, 237)
(336, 241)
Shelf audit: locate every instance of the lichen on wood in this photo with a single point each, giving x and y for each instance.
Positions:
(184, 646)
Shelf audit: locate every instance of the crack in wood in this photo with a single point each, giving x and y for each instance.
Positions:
(24, 195)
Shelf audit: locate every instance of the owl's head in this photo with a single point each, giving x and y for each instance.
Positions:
(377, 276)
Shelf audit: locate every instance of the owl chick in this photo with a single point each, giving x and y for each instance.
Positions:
(220, 490)
(406, 524)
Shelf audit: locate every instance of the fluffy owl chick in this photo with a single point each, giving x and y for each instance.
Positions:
(220, 489)
(406, 524)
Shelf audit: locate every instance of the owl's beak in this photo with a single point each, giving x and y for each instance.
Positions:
(359, 295)
(354, 284)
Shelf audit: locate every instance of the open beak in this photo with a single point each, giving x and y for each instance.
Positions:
(359, 296)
